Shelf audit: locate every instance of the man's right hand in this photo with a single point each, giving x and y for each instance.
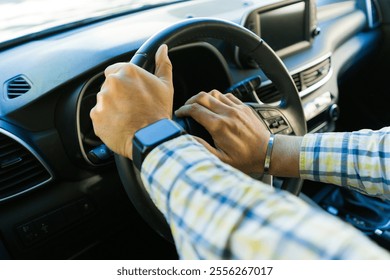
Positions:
(239, 135)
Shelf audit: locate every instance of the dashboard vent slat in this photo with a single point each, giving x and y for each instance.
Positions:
(315, 73)
(297, 81)
(20, 169)
(17, 87)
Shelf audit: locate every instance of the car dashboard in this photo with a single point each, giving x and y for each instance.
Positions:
(60, 193)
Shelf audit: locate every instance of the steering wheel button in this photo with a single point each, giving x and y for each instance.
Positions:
(265, 114)
(275, 125)
(274, 113)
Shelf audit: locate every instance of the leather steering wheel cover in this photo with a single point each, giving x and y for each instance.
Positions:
(193, 30)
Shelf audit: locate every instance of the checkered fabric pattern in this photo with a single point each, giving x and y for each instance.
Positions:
(358, 160)
(217, 212)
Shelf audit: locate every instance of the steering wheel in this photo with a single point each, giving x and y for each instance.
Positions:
(287, 117)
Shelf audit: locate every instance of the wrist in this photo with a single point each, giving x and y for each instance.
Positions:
(285, 156)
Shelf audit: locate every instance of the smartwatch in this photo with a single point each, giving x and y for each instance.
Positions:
(149, 137)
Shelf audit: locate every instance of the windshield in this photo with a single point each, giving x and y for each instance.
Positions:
(19, 18)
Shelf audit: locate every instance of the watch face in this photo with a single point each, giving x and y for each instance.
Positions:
(158, 132)
(149, 137)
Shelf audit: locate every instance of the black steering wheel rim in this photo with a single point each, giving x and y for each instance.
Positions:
(195, 30)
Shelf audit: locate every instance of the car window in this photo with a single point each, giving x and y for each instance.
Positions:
(19, 18)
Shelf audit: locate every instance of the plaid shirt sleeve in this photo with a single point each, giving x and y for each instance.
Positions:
(359, 160)
(217, 212)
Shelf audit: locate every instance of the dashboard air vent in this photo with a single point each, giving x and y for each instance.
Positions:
(270, 94)
(20, 170)
(304, 80)
(315, 73)
(17, 86)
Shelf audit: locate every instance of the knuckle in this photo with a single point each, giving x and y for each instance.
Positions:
(215, 93)
(112, 69)
(128, 68)
(229, 95)
(202, 95)
(111, 79)
(108, 70)
(92, 113)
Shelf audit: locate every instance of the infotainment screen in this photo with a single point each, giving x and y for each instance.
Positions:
(284, 26)
(287, 26)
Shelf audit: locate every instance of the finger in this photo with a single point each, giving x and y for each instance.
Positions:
(221, 97)
(210, 102)
(233, 99)
(114, 68)
(206, 118)
(163, 64)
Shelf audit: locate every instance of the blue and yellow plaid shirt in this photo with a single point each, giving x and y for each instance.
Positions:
(217, 212)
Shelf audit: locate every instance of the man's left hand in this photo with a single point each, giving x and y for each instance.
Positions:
(132, 98)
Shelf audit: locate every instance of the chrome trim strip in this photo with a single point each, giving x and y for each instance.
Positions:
(311, 64)
(370, 19)
(36, 155)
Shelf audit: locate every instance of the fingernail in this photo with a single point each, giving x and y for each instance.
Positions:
(165, 48)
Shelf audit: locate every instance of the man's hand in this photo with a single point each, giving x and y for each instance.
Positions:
(240, 138)
(132, 98)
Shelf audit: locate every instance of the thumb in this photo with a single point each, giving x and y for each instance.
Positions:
(163, 65)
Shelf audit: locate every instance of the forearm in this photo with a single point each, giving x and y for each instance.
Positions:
(360, 160)
(217, 212)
